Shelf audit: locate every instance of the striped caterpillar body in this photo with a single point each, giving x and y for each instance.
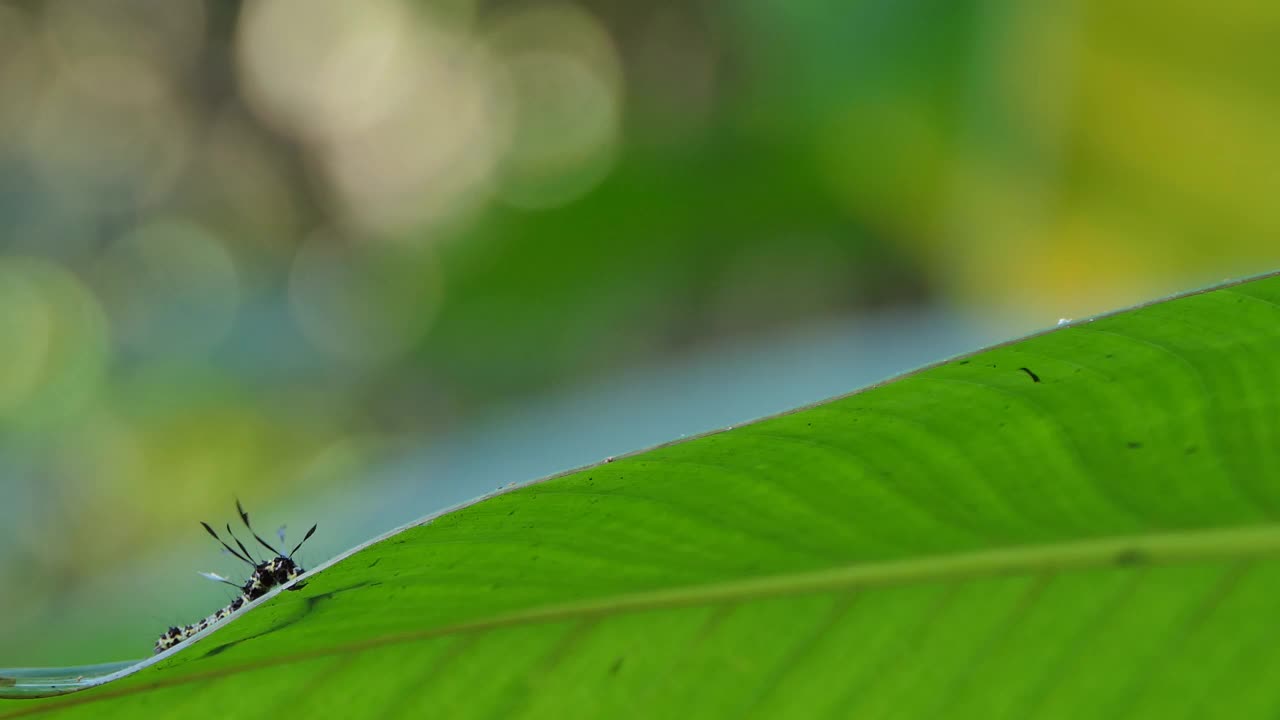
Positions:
(175, 635)
(266, 575)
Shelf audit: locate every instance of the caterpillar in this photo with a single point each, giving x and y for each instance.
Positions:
(266, 575)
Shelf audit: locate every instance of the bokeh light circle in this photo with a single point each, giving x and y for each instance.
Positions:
(111, 134)
(321, 68)
(56, 342)
(171, 287)
(362, 307)
(432, 157)
(398, 111)
(563, 80)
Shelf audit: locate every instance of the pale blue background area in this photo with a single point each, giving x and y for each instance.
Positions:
(726, 385)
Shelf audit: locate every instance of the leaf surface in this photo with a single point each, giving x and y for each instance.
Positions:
(1078, 524)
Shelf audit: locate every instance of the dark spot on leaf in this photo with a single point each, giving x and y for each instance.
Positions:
(1134, 445)
(1192, 450)
(1109, 356)
(375, 562)
(1131, 556)
(964, 362)
(615, 667)
(1034, 377)
(513, 512)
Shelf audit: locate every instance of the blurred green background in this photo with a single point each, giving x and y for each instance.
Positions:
(359, 261)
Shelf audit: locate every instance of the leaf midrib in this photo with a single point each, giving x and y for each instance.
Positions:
(1147, 549)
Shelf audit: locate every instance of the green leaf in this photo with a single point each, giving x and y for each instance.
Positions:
(1079, 524)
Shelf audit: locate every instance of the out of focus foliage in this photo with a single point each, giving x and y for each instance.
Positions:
(242, 243)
